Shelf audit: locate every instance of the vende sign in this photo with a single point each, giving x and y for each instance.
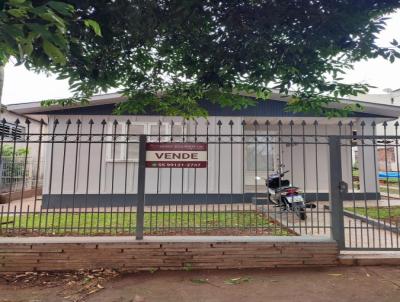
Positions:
(176, 155)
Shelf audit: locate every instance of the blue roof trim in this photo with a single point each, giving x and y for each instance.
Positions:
(268, 108)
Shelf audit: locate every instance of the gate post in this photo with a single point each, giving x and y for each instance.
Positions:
(141, 187)
(335, 191)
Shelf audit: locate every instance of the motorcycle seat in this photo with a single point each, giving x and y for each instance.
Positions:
(281, 189)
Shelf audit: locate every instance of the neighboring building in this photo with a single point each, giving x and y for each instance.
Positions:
(13, 149)
(232, 169)
(388, 152)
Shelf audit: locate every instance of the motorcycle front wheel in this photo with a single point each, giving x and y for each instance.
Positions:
(301, 213)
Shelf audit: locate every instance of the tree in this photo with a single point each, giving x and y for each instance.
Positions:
(36, 33)
(170, 56)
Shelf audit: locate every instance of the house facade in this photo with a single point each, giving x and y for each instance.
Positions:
(98, 161)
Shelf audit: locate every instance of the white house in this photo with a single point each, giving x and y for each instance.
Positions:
(103, 173)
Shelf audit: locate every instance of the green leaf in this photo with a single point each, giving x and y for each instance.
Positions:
(235, 281)
(16, 2)
(27, 48)
(17, 12)
(62, 8)
(14, 31)
(50, 16)
(199, 281)
(93, 25)
(53, 52)
(39, 29)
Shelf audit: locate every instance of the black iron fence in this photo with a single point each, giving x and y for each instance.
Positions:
(89, 177)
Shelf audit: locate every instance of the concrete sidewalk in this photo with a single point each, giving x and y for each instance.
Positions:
(358, 234)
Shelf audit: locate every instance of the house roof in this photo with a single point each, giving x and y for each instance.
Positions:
(21, 116)
(275, 106)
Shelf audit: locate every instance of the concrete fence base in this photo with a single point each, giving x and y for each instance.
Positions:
(163, 253)
(369, 258)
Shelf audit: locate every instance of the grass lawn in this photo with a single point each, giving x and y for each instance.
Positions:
(392, 190)
(375, 213)
(125, 223)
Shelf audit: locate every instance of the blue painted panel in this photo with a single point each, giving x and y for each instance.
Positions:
(272, 108)
(383, 175)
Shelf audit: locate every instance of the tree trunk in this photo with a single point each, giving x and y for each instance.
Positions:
(1, 85)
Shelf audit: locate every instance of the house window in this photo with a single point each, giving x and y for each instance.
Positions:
(260, 156)
(121, 150)
(9, 130)
(158, 132)
(132, 149)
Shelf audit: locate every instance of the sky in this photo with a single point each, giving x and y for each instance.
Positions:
(21, 85)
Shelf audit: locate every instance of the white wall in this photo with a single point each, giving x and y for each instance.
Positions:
(220, 177)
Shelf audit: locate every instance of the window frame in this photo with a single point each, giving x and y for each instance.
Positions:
(273, 154)
(123, 152)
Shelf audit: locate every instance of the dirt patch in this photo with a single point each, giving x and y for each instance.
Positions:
(345, 284)
(72, 286)
(394, 220)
